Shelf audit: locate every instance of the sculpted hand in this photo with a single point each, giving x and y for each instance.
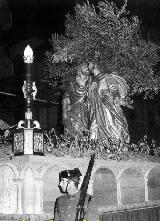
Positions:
(93, 86)
(66, 104)
(119, 101)
(66, 107)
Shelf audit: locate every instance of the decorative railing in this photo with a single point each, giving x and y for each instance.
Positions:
(121, 208)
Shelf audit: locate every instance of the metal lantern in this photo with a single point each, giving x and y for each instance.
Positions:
(28, 137)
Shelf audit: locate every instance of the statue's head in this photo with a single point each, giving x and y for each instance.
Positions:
(94, 68)
(83, 69)
(82, 74)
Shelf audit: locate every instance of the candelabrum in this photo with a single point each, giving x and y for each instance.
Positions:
(28, 137)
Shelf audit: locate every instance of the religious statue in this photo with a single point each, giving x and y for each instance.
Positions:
(75, 101)
(93, 102)
(107, 95)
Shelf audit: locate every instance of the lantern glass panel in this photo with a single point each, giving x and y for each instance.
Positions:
(38, 142)
(18, 144)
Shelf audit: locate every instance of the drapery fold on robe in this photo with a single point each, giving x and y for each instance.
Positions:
(106, 113)
(77, 116)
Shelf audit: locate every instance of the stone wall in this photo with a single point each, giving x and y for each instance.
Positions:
(29, 184)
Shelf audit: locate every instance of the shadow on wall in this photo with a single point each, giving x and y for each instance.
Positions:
(132, 187)
(154, 184)
(105, 187)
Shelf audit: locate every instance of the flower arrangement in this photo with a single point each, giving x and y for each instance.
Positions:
(79, 146)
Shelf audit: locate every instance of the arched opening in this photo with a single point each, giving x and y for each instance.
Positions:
(132, 186)
(154, 184)
(105, 187)
(8, 190)
(50, 188)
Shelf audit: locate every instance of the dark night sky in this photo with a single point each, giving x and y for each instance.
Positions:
(41, 18)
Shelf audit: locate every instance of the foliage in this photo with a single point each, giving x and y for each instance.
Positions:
(5, 148)
(78, 145)
(110, 37)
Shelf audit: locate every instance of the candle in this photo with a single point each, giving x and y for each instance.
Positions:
(28, 55)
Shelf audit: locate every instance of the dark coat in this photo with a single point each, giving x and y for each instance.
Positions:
(66, 207)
